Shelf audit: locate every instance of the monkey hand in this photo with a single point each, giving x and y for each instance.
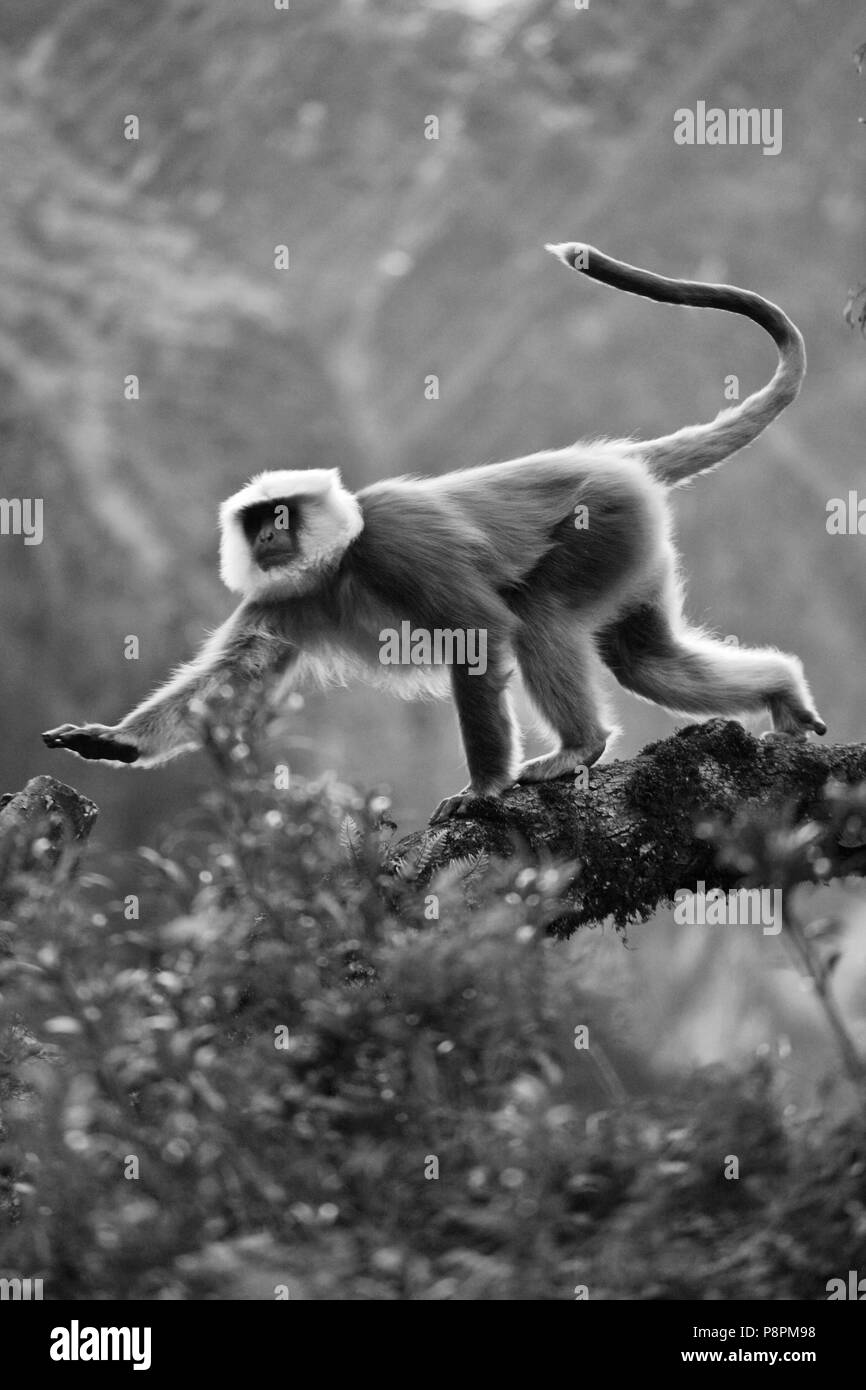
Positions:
(461, 804)
(450, 807)
(92, 741)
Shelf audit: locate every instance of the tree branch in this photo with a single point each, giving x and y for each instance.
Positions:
(636, 833)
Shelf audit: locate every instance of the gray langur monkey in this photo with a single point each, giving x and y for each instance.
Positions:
(324, 573)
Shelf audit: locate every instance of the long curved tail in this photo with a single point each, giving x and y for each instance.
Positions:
(677, 457)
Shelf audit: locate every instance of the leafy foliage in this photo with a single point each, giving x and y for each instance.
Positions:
(273, 1079)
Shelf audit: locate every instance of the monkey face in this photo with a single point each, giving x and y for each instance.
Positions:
(283, 529)
(271, 530)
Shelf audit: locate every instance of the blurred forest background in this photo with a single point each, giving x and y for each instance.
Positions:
(410, 257)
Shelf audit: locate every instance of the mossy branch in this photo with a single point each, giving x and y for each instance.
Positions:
(639, 831)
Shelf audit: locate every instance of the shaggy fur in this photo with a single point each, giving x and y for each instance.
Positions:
(564, 560)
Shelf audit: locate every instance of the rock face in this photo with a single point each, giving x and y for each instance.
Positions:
(40, 825)
(47, 808)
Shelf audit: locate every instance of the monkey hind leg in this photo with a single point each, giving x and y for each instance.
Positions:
(557, 668)
(688, 673)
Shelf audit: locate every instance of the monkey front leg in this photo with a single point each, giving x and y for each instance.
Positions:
(164, 725)
(490, 737)
(158, 729)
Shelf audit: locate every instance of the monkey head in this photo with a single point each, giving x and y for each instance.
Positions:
(282, 530)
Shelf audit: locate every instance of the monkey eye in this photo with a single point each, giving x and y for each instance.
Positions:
(279, 513)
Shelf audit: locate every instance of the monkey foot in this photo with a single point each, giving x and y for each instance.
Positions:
(790, 724)
(798, 735)
(565, 763)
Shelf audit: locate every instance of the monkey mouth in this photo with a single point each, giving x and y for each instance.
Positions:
(271, 559)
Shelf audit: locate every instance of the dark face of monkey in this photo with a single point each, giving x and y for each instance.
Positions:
(271, 529)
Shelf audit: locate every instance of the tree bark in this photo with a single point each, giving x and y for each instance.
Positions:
(651, 825)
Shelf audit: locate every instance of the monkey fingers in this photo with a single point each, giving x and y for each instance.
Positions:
(452, 806)
(94, 741)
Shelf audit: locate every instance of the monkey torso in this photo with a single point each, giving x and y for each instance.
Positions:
(579, 531)
(582, 524)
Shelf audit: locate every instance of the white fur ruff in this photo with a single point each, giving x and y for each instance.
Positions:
(331, 519)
